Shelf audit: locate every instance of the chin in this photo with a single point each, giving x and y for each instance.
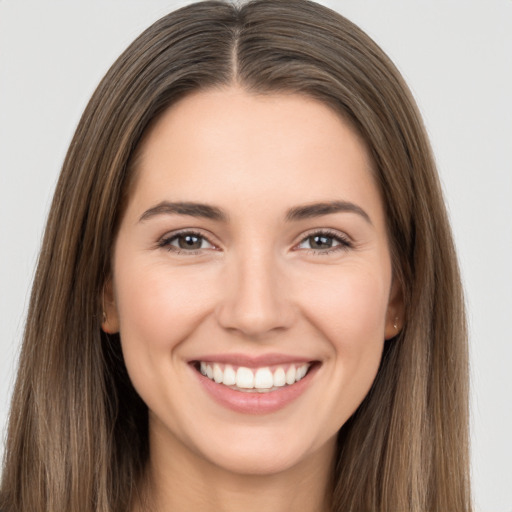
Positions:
(265, 453)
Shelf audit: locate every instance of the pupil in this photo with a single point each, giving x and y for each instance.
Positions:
(190, 242)
(321, 242)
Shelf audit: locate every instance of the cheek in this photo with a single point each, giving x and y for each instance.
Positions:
(349, 312)
(350, 307)
(158, 306)
(158, 309)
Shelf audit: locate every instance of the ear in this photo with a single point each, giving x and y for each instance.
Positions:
(395, 312)
(110, 316)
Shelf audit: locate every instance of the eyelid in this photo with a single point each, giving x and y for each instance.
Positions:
(345, 242)
(164, 241)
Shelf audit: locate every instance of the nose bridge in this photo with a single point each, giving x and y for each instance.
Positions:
(255, 302)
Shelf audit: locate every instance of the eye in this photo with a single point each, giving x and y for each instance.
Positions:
(187, 241)
(324, 242)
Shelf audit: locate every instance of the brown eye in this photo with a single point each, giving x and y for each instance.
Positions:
(187, 241)
(320, 241)
(325, 242)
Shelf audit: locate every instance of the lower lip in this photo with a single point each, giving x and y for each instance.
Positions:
(255, 402)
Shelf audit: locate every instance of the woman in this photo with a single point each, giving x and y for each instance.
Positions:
(247, 294)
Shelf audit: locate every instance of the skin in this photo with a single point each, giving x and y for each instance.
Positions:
(255, 287)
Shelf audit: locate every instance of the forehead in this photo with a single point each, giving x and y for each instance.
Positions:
(288, 148)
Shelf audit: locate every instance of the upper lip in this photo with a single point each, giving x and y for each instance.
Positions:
(251, 361)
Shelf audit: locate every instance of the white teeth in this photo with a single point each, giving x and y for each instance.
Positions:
(301, 371)
(229, 376)
(244, 378)
(290, 375)
(261, 379)
(279, 378)
(218, 375)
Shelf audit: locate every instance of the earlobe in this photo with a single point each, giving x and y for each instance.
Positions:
(395, 312)
(109, 315)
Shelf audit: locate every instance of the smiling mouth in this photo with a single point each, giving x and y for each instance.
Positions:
(253, 380)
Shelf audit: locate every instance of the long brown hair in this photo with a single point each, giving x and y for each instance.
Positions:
(77, 437)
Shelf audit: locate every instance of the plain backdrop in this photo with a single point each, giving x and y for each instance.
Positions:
(455, 55)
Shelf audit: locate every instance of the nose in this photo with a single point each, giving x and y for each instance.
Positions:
(255, 303)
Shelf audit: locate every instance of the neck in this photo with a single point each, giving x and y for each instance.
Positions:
(185, 481)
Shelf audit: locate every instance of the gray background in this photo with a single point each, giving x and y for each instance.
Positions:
(456, 57)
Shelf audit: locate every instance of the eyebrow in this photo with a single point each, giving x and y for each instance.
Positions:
(309, 211)
(296, 213)
(204, 211)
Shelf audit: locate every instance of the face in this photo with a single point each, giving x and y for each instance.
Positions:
(252, 283)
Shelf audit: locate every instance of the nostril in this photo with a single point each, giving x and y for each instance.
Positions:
(252, 321)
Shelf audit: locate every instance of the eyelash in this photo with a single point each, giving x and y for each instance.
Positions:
(165, 243)
(344, 243)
